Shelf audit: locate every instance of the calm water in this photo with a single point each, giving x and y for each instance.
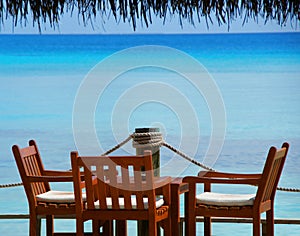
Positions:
(258, 76)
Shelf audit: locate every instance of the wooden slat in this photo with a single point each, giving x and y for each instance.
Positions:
(101, 188)
(30, 171)
(28, 151)
(137, 176)
(126, 185)
(138, 185)
(36, 172)
(88, 178)
(272, 179)
(280, 153)
(114, 191)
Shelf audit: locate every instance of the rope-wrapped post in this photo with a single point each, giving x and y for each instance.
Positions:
(148, 139)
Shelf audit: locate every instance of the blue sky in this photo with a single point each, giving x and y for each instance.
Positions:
(73, 25)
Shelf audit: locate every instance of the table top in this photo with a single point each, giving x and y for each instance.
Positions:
(179, 185)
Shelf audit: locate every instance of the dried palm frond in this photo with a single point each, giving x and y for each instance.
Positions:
(223, 11)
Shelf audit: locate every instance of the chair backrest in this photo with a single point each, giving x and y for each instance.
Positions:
(29, 163)
(271, 174)
(117, 177)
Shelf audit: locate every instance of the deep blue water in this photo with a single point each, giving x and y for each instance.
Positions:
(258, 76)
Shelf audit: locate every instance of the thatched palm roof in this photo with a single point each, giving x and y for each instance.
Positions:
(220, 11)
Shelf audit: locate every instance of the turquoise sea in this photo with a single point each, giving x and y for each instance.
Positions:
(257, 76)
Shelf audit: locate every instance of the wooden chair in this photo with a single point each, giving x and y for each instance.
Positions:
(43, 202)
(210, 204)
(124, 192)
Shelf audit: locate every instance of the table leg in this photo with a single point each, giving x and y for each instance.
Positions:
(143, 228)
(121, 228)
(175, 210)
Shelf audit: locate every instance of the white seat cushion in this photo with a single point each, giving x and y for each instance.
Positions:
(159, 203)
(58, 197)
(221, 199)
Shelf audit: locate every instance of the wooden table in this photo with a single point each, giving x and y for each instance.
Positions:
(177, 188)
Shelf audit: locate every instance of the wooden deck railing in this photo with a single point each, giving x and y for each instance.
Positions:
(284, 221)
(281, 221)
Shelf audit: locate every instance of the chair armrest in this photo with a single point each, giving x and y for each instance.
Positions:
(162, 186)
(226, 175)
(57, 173)
(161, 181)
(54, 173)
(209, 180)
(50, 178)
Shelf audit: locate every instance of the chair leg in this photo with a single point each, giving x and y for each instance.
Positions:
(190, 217)
(34, 225)
(121, 228)
(96, 227)
(190, 225)
(79, 227)
(270, 222)
(107, 228)
(167, 227)
(49, 225)
(152, 229)
(256, 225)
(38, 226)
(207, 226)
(158, 229)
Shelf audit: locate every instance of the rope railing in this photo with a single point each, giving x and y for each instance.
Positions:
(117, 146)
(154, 139)
(187, 157)
(10, 185)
